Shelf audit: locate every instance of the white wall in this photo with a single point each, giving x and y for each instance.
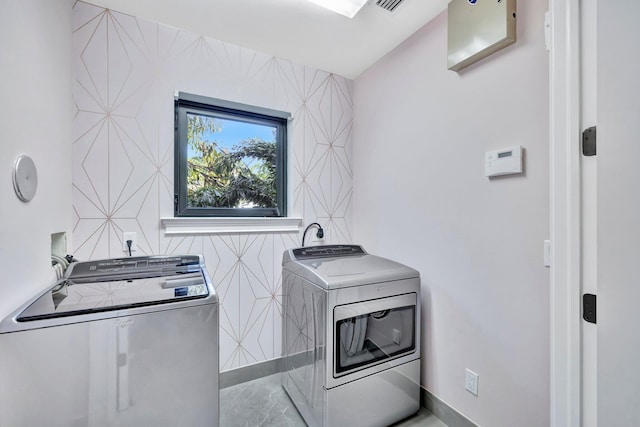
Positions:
(126, 71)
(35, 119)
(420, 196)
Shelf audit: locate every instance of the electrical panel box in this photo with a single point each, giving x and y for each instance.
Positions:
(478, 28)
(503, 162)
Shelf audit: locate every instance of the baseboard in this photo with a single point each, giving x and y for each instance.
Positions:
(444, 412)
(437, 407)
(249, 372)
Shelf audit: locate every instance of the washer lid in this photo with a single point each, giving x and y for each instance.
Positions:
(75, 297)
(348, 270)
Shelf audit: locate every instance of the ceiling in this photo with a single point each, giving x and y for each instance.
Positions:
(297, 30)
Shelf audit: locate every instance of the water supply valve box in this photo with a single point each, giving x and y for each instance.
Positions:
(478, 28)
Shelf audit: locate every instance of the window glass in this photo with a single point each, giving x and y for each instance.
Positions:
(369, 339)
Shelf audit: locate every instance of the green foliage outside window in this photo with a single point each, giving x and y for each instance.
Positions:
(241, 177)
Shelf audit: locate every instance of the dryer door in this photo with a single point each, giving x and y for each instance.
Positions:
(372, 332)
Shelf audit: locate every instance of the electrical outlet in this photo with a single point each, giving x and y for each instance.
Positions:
(129, 235)
(471, 382)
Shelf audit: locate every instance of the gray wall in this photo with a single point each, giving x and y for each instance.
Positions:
(35, 119)
(420, 196)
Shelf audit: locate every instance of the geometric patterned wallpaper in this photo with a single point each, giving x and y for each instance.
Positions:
(126, 71)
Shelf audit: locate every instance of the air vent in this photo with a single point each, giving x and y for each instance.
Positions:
(389, 5)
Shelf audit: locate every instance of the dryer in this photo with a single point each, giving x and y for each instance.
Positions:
(351, 336)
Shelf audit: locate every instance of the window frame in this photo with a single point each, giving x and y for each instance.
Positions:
(185, 103)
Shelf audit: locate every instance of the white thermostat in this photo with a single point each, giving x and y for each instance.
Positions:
(503, 162)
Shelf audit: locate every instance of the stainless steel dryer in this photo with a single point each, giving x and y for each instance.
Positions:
(118, 342)
(351, 336)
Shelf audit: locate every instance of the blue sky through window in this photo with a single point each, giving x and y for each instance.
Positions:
(232, 132)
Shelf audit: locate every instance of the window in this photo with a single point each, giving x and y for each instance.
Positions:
(230, 158)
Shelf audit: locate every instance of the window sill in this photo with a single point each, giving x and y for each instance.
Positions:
(219, 225)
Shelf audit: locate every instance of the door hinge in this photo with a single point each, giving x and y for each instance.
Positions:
(589, 141)
(589, 308)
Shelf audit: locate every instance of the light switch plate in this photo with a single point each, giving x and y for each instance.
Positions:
(547, 253)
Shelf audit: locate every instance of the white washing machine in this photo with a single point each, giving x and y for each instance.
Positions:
(120, 342)
(351, 336)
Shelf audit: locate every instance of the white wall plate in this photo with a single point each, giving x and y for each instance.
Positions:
(25, 178)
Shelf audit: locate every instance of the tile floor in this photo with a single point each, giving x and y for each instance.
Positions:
(264, 403)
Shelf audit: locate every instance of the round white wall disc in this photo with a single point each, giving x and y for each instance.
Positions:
(25, 178)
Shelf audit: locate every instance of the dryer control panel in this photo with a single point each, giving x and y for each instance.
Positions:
(327, 251)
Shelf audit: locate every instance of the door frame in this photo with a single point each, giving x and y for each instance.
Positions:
(565, 218)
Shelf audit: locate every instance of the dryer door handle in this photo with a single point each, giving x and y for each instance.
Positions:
(347, 311)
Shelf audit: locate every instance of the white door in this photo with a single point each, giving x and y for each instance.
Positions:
(618, 213)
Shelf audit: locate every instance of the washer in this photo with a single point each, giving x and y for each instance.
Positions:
(118, 342)
(351, 336)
